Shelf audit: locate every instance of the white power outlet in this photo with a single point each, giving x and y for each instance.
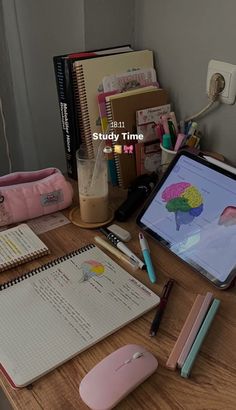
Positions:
(228, 71)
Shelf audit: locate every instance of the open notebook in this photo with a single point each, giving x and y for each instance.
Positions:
(55, 312)
(19, 245)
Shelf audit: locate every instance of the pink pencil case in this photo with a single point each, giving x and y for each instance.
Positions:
(27, 195)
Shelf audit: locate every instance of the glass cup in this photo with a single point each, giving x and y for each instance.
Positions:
(93, 187)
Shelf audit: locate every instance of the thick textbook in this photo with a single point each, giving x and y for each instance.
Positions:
(51, 314)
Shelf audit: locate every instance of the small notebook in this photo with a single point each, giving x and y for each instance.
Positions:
(122, 108)
(51, 314)
(19, 245)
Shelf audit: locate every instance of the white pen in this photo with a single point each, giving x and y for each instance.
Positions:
(122, 247)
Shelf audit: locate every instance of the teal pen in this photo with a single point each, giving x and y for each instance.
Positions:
(147, 258)
(189, 362)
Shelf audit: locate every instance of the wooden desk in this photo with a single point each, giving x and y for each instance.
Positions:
(213, 381)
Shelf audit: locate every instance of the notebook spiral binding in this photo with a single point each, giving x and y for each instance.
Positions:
(79, 120)
(116, 156)
(24, 259)
(83, 113)
(42, 268)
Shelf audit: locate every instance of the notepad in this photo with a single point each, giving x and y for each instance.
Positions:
(19, 245)
(55, 312)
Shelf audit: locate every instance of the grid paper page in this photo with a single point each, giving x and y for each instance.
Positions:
(54, 315)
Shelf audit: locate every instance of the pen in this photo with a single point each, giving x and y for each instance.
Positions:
(147, 257)
(161, 308)
(172, 132)
(164, 121)
(173, 119)
(122, 247)
(115, 252)
(192, 128)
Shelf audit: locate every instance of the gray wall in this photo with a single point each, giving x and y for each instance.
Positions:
(108, 23)
(35, 31)
(6, 95)
(185, 35)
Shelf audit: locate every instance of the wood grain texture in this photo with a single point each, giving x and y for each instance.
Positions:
(213, 381)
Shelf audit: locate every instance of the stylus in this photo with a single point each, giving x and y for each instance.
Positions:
(189, 362)
(122, 247)
(220, 164)
(147, 258)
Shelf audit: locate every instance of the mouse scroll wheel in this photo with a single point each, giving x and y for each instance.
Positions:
(137, 355)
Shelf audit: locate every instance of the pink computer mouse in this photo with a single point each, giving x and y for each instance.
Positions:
(116, 376)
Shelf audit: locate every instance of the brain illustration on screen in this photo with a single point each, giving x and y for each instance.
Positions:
(185, 201)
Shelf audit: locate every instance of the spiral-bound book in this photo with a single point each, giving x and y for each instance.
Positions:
(51, 314)
(19, 245)
(89, 75)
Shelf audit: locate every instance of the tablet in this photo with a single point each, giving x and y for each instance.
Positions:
(192, 212)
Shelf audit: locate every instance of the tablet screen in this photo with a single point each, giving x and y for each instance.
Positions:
(194, 214)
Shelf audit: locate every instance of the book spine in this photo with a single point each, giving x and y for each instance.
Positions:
(83, 111)
(116, 162)
(67, 111)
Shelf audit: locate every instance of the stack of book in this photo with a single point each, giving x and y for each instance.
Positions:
(100, 93)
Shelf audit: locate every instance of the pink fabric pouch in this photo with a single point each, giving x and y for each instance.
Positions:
(27, 195)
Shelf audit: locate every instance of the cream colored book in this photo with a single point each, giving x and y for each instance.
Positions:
(89, 74)
(53, 313)
(19, 245)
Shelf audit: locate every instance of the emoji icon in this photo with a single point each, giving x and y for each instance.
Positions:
(107, 149)
(118, 149)
(128, 149)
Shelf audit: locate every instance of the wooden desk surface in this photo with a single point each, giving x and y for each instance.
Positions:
(213, 381)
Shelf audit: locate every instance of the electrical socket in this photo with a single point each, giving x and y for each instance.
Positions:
(228, 71)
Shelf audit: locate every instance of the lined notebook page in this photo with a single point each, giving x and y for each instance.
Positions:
(59, 312)
(19, 244)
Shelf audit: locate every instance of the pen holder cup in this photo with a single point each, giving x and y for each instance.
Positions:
(166, 157)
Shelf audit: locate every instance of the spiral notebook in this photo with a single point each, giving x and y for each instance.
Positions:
(51, 314)
(89, 75)
(19, 245)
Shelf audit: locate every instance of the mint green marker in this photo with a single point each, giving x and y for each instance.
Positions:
(189, 362)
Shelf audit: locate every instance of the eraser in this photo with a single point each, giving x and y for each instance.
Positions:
(121, 233)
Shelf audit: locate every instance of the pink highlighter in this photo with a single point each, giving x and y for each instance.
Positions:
(116, 376)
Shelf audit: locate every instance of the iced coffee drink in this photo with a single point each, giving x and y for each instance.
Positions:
(93, 189)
